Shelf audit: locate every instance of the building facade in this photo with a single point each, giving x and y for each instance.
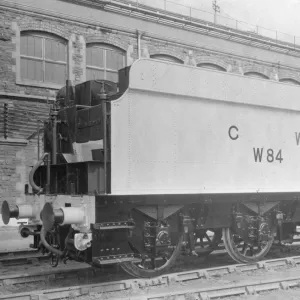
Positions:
(43, 43)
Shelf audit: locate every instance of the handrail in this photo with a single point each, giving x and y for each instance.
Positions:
(196, 13)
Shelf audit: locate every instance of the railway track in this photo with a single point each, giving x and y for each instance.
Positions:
(22, 257)
(44, 275)
(75, 272)
(185, 285)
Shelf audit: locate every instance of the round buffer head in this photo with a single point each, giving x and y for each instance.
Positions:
(8, 213)
(51, 216)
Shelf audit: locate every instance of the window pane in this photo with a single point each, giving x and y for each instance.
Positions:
(31, 46)
(166, 58)
(211, 66)
(23, 68)
(88, 55)
(31, 69)
(62, 56)
(55, 50)
(38, 47)
(114, 60)
(44, 48)
(290, 81)
(92, 74)
(24, 45)
(256, 75)
(97, 57)
(55, 73)
(94, 57)
(50, 51)
(112, 76)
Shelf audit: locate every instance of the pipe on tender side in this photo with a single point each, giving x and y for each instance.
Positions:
(47, 246)
(33, 170)
(54, 138)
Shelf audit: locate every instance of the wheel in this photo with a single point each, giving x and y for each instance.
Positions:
(242, 252)
(149, 267)
(156, 244)
(206, 241)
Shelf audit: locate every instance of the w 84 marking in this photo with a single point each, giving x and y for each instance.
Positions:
(269, 155)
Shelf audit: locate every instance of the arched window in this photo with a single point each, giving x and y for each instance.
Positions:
(165, 57)
(103, 62)
(43, 58)
(290, 81)
(211, 66)
(256, 75)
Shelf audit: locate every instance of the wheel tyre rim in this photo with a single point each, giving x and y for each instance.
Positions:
(234, 252)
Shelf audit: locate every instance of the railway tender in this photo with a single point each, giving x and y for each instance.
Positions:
(171, 157)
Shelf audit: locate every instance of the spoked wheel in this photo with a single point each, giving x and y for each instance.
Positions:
(151, 267)
(241, 251)
(156, 245)
(206, 241)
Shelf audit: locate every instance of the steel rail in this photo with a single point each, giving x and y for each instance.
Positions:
(45, 275)
(246, 288)
(28, 258)
(18, 252)
(167, 280)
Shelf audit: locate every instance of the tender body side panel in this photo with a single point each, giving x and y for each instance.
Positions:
(168, 143)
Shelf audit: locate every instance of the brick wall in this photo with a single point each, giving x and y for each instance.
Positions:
(19, 153)
(16, 160)
(11, 24)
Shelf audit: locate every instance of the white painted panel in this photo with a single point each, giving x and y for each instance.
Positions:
(163, 143)
(186, 147)
(176, 79)
(120, 144)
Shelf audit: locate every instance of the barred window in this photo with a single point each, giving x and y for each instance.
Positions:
(43, 58)
(211, 66)
(103, 62)
(256, 75)
(290, 81)
(165, 57)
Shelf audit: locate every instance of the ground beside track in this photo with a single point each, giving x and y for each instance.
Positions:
(214, 282)
(11, 239)
(293, 294)
(184, 263)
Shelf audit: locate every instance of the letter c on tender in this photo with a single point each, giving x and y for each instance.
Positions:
(232, 134)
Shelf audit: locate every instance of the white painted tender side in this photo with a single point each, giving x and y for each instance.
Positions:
(181, 129)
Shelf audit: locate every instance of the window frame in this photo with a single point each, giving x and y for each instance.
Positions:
(167, 58)
(104, 47)
(44, 35)
(211, 66)
(256, 74)
(291, 81)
